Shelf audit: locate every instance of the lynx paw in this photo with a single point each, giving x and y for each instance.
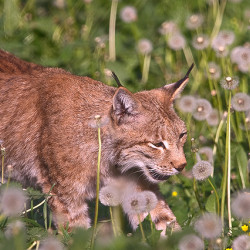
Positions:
(163, 225)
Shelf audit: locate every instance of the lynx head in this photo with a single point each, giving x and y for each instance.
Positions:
(147, 134)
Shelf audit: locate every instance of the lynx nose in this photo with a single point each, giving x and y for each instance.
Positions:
(180, 167)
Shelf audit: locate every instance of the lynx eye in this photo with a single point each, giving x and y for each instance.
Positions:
(182, 135)
(159, 145)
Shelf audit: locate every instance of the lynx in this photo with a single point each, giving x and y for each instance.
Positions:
(46, 124)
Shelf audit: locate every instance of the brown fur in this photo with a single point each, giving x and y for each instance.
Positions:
(47, 123)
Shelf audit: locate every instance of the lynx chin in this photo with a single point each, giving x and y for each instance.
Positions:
(46, 116)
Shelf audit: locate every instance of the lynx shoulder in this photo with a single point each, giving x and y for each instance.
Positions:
(48, 128)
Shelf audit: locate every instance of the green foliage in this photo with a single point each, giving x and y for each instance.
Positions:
(75, 37)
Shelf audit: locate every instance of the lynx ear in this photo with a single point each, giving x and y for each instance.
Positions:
(124, 104)
(175, 88)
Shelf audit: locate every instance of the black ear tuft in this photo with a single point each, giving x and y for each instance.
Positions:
(124, 104)
(116, 79)
(176, 88)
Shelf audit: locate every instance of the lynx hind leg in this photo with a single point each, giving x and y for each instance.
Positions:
(68, 212)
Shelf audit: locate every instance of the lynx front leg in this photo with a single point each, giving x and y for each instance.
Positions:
(163, 217)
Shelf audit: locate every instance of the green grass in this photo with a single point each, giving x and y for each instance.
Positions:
(75, 38)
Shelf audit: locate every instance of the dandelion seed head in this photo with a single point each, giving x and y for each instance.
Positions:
(186, 103)
(241, 102)
(151, 200)
(191, 242)
(209, 226)
(200, 42)
(214, 71)
(202, 109)
(134, 203)
(244, 67)
(241, 205)
(242, 242)
(12, 201)
(168, 28)
(240, 54)
(202, 170)
(229, 82)
(227, 37)
(208, 152)
(144, 46)
(60, 4)
(222, 51)
(110, 196)
(213, 118)
(97, 121)
(128, 14)
(176, 41)
(247, 14)
(101, 41)
(51, 243)
(108, 73)
(14, 228)
(194, 21)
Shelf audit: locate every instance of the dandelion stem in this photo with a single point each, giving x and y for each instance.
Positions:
(197, 196)
(45, 215)
(37, 244)
(32, 245)
(151, 222)
(216, 195)
(227, 172)
(3, 154)
(112, 221)
(218, 20)
(141, 228)
(217, 136)
(97, 183)
(246, 128)
(38, 205)
(229, 166)
(112, 54)
(145, 70)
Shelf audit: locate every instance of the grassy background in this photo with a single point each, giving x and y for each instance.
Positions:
(67, 37)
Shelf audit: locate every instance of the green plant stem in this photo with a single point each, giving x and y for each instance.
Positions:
(2, 153)
(141, 228)
(145, 69)
(32, 245)
(38, 205)
(38, 244)
(229, 168)
(219, 18)
(97, 186)
(227, 172)
(216, 195)
(112, 221)
(217, 136)
(45, 215)
(112, 21)
(151, 222)
(197, 196)
(246, 128)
